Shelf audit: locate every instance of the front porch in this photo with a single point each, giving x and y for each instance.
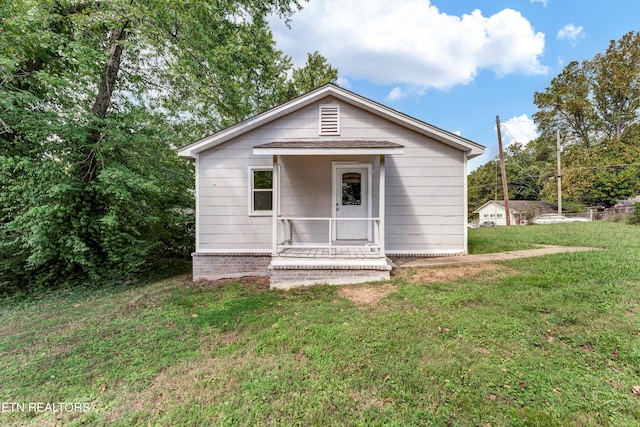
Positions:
(330, 244)
(325, 259)
(328, 216)
(333, 262)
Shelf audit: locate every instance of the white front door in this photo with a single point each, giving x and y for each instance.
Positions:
(352, 196)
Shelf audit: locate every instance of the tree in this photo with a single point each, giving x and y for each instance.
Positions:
(566, 106)
(93, 96)
(523, 173)
(594, 100)
(595, 105)
(604, 174)
(616, 85)
(316, 72)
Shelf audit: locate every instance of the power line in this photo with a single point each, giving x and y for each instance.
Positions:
(509, 132)
(550, 173)
(482, 130)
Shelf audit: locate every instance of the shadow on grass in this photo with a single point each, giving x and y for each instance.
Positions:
(224, 304)
(230, 315)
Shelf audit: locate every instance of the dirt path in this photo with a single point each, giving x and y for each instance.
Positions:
(498, 256)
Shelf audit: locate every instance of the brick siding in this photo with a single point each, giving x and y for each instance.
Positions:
(224, 266)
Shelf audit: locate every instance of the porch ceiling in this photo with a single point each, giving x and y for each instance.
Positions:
(326, 147)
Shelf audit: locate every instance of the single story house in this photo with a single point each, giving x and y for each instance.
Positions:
(323, 188)
(521, 211)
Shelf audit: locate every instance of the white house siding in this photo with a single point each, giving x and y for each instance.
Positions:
(223, 220)
(425, 186)
(425, 198)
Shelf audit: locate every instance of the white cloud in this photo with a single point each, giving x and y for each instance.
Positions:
(544, 2)
(519, 129)
(343, 82)
(395, 94)
(411, 43)
(570, 32)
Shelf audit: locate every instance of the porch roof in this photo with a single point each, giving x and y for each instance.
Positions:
(328, 147)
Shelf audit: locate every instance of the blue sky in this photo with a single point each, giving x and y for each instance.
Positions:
(456, 63)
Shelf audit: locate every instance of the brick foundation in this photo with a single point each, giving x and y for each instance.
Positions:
(225, 266)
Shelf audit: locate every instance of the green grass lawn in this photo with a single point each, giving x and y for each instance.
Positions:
(542, 341)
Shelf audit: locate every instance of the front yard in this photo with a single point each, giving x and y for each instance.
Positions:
(543, 341)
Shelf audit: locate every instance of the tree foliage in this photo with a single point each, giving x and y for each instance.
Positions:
(94, 97)
(595, 105)
(316, 72)
(596, 100)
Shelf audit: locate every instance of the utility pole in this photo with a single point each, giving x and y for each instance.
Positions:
(559, 150)
(503, 172)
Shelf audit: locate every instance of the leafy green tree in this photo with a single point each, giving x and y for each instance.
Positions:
(523, 173)
(566, 106)
(595, 105)
(94, 96)
(604, 174)
(616, 85)
(316, 72)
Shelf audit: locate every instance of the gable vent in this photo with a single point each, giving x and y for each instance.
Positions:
(329, 120)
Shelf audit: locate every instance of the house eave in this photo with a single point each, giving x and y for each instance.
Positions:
(258, 151)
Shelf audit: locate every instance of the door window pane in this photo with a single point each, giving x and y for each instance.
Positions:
(351, 189)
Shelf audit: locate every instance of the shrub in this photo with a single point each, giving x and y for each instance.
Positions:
(635, 216)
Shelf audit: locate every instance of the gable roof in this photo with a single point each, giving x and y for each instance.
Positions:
(473, 149)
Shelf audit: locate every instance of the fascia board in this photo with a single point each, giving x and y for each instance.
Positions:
(325, 151)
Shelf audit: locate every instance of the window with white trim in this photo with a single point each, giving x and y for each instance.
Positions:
(329, 119)
(260, 191)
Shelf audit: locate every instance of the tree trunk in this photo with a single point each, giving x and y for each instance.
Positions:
(103, 99)
(110, 74)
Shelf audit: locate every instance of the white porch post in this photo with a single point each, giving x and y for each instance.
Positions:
(381, 203)
(275, 203)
